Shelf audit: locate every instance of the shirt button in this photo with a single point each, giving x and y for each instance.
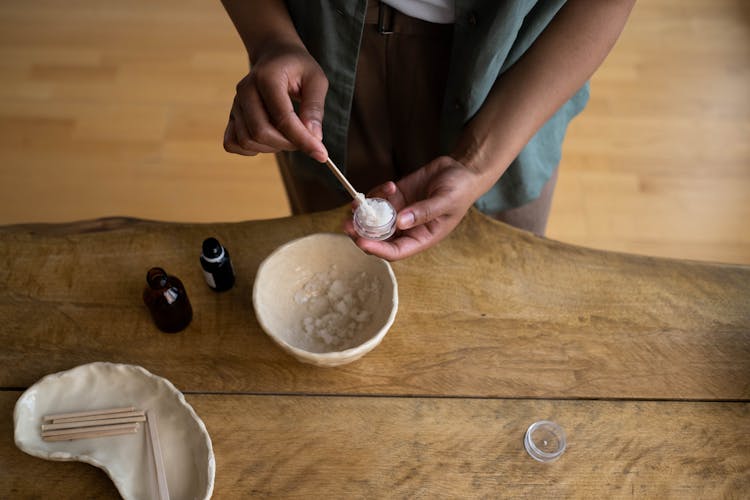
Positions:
(457, 104)
(472, 19)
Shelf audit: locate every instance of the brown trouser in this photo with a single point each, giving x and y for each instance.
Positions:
(395, 116)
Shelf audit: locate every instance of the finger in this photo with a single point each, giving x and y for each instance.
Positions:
(348, 227)
(250, 109)
(391, 192)
(280, 110)
(230, 141)
(229, 131)
(423, 212)
(383, 190)
(314, 89)
(399, 248)
(243, 137)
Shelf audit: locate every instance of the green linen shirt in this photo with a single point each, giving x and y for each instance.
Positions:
(489, 36)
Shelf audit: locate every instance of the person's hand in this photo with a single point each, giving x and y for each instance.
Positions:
(263, 119)
(430, 203)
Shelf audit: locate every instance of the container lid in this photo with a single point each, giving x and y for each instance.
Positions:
(545, 441)
(211, 248)
(156, 278)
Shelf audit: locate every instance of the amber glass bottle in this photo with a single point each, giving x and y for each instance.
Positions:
(167, 301)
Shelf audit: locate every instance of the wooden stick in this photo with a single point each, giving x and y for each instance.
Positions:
(91, 434)
(79, 430)
(161, 477)
(87, 413)
(91, 423)
(137, 413)
(353, 192)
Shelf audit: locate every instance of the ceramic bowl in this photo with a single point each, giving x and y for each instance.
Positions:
(325, 301)
(186, 447)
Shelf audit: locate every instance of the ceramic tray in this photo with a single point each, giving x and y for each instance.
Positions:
(186, 446)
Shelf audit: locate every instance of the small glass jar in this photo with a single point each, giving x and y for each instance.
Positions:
(545, 441)
(375, 230)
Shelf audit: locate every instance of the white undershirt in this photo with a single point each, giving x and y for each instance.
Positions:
(433, 11)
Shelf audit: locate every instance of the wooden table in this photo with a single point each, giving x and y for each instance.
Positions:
(645, 363)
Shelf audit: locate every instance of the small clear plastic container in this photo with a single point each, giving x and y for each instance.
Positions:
(375, 230)
(545, 441)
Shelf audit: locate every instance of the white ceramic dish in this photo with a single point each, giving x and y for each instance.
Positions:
(186, 446)
(284, 299)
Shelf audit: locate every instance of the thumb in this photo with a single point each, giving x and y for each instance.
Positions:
(313, 95)
(423, 212)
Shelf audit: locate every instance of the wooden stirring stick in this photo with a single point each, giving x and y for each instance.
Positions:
(91, 424)
(80, 424)
(161, 477)
(353, 192)
(71, 436)
(74, 414)
(99, 416)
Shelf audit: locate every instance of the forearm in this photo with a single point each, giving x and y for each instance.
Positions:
(260, 22)
(554, 68)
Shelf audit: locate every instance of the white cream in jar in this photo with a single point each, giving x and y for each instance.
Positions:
(374, 218)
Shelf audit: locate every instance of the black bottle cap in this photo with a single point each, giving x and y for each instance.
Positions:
(156, 277)
(211, 248)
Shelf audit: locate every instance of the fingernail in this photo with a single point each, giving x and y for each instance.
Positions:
(315, 129)
(406, 220)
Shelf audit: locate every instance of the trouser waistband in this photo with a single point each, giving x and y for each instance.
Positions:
(388, 21)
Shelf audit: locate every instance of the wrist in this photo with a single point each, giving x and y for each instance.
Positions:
(470, 153)
(477, 155)
(273, 44)
(261, 24)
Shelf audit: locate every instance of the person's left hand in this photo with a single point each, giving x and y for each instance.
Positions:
(430, 203)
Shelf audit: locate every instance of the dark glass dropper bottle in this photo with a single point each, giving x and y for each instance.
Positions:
(217, 266)
(167, 300)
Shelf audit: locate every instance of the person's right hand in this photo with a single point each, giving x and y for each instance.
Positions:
(263, 119)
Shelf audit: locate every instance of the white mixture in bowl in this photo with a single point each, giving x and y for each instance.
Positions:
(336, 308)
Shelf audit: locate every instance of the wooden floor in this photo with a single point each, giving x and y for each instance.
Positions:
(111, 108)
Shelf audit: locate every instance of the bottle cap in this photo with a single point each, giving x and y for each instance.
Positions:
(545, 441)
(212, 248)
(156, 277)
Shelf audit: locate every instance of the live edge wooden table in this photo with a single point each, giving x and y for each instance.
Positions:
(644, 362)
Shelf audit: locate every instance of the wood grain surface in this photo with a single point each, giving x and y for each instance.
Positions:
(645, 362)
(382, 447)
(491, 312)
